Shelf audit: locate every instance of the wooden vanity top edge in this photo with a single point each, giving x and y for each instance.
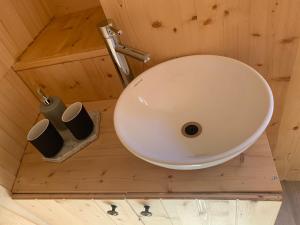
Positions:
(24, 65)
(276, 196)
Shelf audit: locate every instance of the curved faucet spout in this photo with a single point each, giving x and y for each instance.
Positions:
(118, 51)
(134, 53)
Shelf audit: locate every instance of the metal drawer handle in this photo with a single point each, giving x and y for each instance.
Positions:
(113, 211)
(146, 211)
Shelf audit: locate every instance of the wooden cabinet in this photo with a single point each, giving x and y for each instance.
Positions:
(69, 59)
(80, 190)
(164, 212)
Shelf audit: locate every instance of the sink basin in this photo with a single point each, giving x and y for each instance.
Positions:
(193, 112)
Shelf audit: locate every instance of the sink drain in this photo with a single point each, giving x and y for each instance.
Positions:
(191, 129)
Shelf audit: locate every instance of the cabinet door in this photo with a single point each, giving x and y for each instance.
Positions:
(201, 212)
(125, 214)
(159, 215)
(257, 212)
(219, 212)
(185, 212)
(86, 211)
(66, 212)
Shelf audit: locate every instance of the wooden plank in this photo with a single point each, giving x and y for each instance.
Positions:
(9, 144)
(219, 212)
(63, 7)
(159, 214)
(209, 196)
(10, 164)
(50, 211)
(85, 80)
(257, 212)
(184, 212)
(86, 211)
(33, 14)
(115, 196)
(15, 106)
(14, 81)
(126, 215)
(19, 24)
(287, 152)
(19, 66)
(107, 167)
(65, 36)
(6, 179)
(222, 212)
(14, 25)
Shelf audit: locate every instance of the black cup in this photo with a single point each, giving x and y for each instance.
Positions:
(45, 138)
(78, 121)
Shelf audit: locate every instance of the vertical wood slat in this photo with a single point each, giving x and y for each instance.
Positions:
(209, 212)
(57, 212)
(18, 111)
(165, 211)
(34, 15)
(287, 152)
(185, 212)
(20, 22)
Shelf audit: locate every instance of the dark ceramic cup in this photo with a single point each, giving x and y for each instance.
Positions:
(78, 121)
(45, 138)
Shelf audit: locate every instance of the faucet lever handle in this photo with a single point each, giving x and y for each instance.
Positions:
(115, 31)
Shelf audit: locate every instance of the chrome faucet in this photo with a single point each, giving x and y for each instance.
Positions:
(118, 50)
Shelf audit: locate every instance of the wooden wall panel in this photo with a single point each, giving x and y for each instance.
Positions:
(287, 151)
(20, 22)
(18, 111)
(261, 33)
(75, 212)
(63, 7)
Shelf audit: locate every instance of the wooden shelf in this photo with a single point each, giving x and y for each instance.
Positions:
(67, 38)
(105, 169)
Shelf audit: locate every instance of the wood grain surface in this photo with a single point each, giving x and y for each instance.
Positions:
(106, 167)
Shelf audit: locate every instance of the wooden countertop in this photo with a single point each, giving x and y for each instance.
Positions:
(105, 169)
(66, 38)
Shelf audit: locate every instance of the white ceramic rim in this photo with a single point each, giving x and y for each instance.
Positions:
(196, 166)
(71, 112)
(218, 157)
(37, 130)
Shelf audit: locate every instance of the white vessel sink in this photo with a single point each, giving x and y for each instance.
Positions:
(193, 112)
